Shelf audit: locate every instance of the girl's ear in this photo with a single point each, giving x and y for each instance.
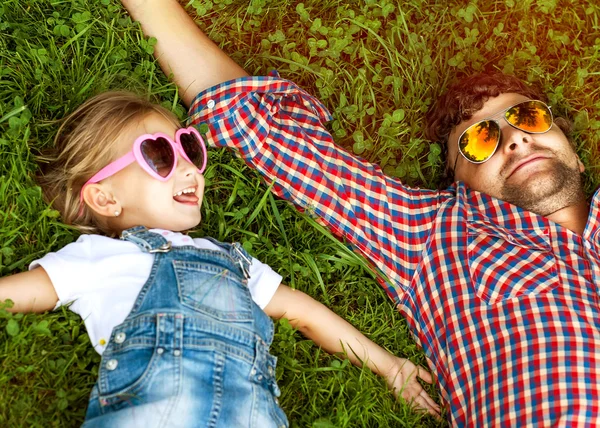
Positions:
(100, 200)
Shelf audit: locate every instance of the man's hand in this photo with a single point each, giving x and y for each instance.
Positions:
(402, 380)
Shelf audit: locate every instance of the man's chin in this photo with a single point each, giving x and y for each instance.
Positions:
(544, 190)
(542, 184)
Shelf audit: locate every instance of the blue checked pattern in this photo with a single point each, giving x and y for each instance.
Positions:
(504, 302)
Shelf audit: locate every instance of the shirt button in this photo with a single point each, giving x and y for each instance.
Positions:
(271, 370)
(177, 352)
(102, 342)
(210, 103)
(120, 337)
(159, 351)
(112, 364)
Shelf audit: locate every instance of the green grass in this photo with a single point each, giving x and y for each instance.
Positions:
(377, 65)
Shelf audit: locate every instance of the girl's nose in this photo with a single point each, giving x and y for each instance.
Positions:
(185, 167)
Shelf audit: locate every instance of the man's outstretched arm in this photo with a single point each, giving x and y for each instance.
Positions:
(183, 50)
(278, 129)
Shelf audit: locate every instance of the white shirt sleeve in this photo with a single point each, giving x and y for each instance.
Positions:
(263, 282)
(67, 269)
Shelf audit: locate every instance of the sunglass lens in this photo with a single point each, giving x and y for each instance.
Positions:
(159, 155)
(479, 141)
(530, 116)
(193, 148)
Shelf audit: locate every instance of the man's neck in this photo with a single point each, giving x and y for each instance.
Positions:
(573, 217)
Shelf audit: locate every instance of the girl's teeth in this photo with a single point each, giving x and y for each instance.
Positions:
(184, 191)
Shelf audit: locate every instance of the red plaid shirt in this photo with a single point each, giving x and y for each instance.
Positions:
(504, 302)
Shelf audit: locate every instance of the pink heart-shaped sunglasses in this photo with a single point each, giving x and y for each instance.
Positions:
(157, 155)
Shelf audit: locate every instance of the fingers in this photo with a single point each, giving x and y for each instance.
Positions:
(425, 402)
(405, 384)
(417, 396)
(424, 374)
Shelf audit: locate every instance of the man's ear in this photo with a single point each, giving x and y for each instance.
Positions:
(100, 200)
(581, 166)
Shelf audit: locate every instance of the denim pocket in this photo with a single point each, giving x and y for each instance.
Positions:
(213, 290)
(508, 264)
(278, 414)
(276, 411)
(127, 370)
(263, 375)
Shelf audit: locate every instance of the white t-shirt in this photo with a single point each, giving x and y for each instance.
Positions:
(102, 277)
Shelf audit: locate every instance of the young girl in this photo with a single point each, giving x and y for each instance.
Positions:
(182, 324)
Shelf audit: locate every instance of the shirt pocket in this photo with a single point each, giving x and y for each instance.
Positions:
(214, 291)
(507, 264)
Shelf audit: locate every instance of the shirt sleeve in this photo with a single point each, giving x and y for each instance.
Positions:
(263, 282)
(278, 128)
(66, 269)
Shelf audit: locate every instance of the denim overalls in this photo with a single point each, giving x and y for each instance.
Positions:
(193, 351)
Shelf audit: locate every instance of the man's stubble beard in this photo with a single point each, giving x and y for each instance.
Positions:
(548, 192)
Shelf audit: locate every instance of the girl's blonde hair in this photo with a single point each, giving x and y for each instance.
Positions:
(84, 144)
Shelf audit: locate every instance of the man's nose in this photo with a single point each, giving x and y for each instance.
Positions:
(513, 138)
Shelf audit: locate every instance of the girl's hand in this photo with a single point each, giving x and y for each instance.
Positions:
(335, 335)
(402, 380)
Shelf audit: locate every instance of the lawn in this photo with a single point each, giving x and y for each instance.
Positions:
(376, 64)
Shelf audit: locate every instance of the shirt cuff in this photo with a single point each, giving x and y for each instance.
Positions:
(221, 101)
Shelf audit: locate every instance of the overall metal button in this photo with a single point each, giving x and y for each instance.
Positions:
(165, 248)
(120, 337)
(112, 364)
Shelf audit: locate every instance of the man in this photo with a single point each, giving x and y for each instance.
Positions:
(548, 184)
(496, 274)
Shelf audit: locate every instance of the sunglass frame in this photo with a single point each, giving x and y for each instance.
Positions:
(497, 122)
(135, 155)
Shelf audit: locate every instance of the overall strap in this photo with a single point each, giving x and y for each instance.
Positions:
(149, 242)
(237, 253)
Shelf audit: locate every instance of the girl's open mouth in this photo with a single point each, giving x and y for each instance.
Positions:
(187, 196)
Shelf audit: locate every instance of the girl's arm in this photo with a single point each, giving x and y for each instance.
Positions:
(334, 334)
(30, 291)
